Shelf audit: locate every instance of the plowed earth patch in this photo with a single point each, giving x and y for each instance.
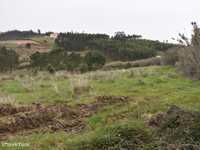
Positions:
(26, 119)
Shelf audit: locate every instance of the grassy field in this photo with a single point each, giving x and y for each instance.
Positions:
(151, 90)
(160, 83)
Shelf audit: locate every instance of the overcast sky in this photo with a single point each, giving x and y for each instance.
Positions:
(155, 19)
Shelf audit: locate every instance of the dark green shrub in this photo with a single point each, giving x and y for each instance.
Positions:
(94, 60)
(39, 60)
(50, 69)
(78, 41)
(58, 59)
(83, 67)
(9, 59)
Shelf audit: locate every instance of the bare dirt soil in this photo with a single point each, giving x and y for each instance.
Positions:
(37, 117)
(177, 129)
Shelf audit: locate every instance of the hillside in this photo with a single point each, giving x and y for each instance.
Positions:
(84, 52)
(80, 52)
(100, 109)
(120, 47)
(17, 35)
(40, 44)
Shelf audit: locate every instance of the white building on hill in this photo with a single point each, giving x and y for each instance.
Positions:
(54, 35)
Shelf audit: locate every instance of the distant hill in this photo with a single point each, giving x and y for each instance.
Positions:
(35, 44)
(17, 35)
(72, 51)
(120, 47)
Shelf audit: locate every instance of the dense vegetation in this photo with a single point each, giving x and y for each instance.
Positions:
(94, 59)
(189, 55)
(8, 59)
(119, 47)
(81, 51)
(59, 60)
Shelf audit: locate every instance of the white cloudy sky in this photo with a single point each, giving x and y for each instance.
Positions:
(155, 19)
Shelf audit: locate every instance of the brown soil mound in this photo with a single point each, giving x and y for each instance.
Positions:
(101, 101)
(178, 128)
(175, 116)
(49, 118)
(8, 109)
(112, 99)
(37, 116)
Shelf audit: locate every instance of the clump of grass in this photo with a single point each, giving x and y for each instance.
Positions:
(140, 72)
(104, 75)
(62, 74)
(27, 83)
(140, 82)
(5, 98)
(116, 137)
(171, 75)
(55, 86)
(79, 85)
(61, 91)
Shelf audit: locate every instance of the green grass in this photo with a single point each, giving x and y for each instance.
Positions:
(153, 90)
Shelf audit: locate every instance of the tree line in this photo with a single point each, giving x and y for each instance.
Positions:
(72, 61)
(18, 35)
(83, 51)
(120, 47)
(9, 59)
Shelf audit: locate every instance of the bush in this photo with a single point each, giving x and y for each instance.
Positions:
(51, 69)
(94, 60)
(39, 59)
(170, 57)
(189, 56)
(58, 59)
(83, 68)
